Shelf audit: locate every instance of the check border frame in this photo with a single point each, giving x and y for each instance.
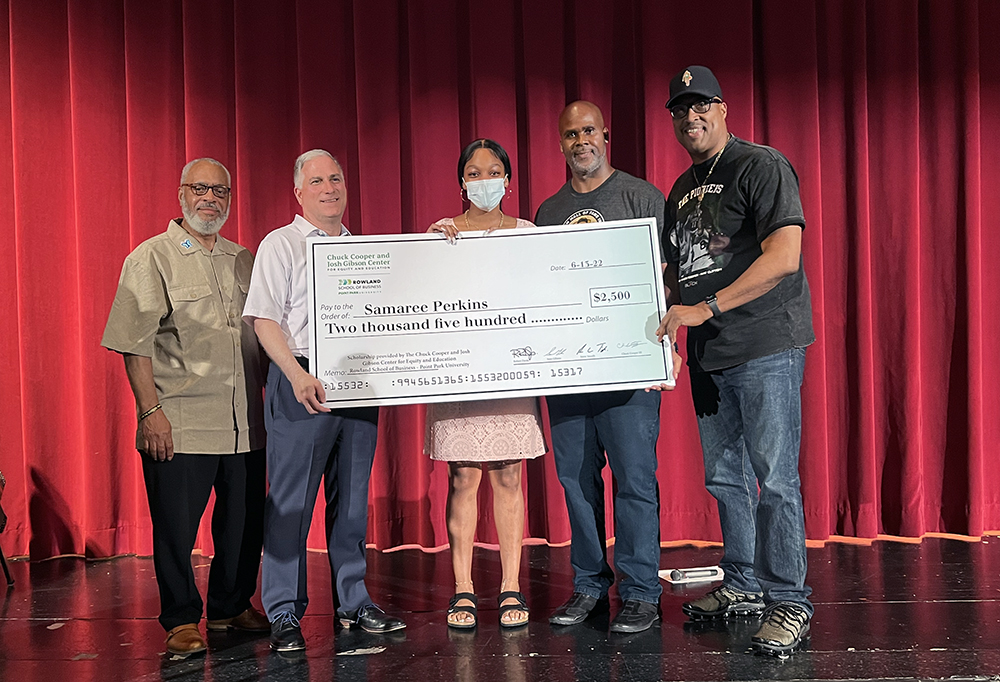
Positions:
(492, 394)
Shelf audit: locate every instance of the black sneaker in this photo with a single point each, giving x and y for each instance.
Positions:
(784, 628)
(724, 602)
(286, 634)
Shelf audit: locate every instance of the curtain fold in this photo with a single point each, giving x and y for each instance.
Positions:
(887, 110)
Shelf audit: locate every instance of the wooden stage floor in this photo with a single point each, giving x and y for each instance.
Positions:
(886, 611)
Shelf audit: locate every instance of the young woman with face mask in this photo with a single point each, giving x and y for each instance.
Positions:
(487, 436)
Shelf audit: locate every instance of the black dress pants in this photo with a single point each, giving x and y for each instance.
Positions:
(178, 491)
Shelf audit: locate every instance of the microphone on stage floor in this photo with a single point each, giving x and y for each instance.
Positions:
(683, 576)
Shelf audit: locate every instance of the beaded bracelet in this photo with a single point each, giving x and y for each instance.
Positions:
(150, 411)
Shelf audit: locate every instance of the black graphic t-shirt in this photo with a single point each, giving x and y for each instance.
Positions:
(714, 233)
(620, 197)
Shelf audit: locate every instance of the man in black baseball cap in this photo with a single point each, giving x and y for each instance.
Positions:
(733, 243)
(694, 80)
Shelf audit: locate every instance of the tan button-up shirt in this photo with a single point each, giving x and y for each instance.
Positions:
(182, 306)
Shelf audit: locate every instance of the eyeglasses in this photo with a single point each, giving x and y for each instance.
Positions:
(201, 190)
(679, 111)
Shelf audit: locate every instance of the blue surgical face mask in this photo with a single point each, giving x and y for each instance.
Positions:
(485, 194)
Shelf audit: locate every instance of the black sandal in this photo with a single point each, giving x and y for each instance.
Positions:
(521, 605)
(471, 610)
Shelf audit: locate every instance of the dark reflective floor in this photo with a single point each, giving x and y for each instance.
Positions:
(899, 611)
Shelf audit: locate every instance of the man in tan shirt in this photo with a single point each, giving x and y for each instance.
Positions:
(196, 373)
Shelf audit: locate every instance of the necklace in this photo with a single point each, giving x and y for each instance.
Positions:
(714, 163)
(498, 227)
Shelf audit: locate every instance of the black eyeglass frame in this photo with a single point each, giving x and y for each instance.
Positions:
(201, 189)
(679, 111)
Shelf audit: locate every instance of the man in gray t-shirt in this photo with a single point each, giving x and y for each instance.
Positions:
(624, 423)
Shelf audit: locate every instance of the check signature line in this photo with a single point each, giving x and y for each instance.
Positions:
(481, 310)
(606, 357)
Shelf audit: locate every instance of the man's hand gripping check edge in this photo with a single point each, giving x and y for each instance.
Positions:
(677, 359)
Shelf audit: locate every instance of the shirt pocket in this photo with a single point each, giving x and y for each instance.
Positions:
(194, 307)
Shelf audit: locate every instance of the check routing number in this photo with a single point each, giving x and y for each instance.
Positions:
(399, 319)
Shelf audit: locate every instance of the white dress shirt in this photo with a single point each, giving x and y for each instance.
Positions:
(278, 288)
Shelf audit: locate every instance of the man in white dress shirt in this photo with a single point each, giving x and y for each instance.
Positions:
(307, 441)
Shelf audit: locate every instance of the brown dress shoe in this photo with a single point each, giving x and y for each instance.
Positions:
(250, 620)
(185, 640)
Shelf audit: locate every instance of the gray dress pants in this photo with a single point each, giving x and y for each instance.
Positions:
(338, 448)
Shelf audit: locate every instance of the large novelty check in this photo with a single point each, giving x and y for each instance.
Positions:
(400, 319)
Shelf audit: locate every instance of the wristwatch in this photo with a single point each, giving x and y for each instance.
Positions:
(713, 305)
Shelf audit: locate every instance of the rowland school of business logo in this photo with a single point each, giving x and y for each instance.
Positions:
(359, 285)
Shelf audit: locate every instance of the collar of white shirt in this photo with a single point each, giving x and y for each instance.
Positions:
(309, 230)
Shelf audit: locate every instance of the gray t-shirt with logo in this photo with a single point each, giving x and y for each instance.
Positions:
(620, 197)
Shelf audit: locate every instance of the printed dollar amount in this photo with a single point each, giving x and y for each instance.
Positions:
(626, 294)
(612, 296)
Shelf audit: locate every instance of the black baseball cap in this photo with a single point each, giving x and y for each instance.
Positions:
(694, 80)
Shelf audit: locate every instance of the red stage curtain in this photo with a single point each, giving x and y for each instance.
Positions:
(886, 108)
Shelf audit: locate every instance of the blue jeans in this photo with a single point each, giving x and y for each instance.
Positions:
(625, 424)
(750, 420)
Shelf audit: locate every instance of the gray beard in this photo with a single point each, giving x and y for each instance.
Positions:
(205, 228)
(592, 168)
